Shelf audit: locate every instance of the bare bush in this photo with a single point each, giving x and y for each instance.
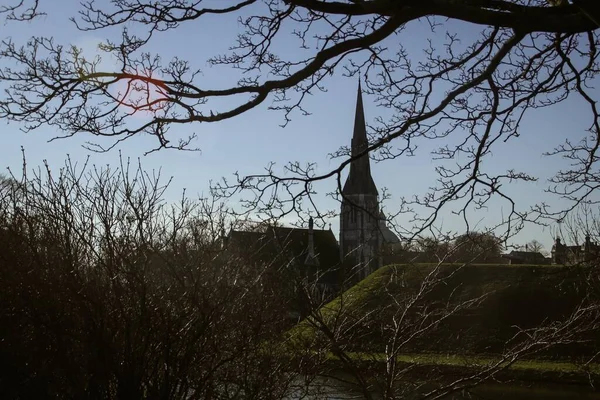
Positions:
(109, 292)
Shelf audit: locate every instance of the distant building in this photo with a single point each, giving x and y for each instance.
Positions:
(314, 251)
(291, 255)
(526, 257)
(570, 255)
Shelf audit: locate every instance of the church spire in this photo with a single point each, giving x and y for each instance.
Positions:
(360, 234)
(359, 179)
(360, 130)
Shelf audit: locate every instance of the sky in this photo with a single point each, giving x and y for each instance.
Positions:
(249, 142)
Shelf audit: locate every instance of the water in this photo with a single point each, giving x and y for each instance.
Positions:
(334, 389)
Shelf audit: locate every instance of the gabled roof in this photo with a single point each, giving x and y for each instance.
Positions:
(294, 242)
(290, 246)
(525, 255)
(518, 253)
(529, 257)
(389, 237)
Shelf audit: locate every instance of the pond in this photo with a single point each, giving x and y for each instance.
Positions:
(333, 389)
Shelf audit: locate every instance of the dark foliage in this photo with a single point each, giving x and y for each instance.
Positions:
(109, 293)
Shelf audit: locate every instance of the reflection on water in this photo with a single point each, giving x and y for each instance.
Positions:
(333, 389)
(326, 388)
(533, 392)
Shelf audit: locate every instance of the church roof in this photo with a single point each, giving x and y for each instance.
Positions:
(290, 245)
(388, 235)
(295, 241)
(359, 179)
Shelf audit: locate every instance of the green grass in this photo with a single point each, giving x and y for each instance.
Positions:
(475, 279)
(504, 281)
(473, 361)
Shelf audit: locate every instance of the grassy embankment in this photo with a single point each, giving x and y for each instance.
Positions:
(474, 338)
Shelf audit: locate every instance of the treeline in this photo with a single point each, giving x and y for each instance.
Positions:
(470, 247)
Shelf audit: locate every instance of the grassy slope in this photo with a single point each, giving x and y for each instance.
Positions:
(475, 280)
(503, 281)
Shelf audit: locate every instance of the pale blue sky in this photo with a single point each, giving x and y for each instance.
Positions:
(247, 143)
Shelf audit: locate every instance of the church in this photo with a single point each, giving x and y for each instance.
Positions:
(363, 230)
(316, 252)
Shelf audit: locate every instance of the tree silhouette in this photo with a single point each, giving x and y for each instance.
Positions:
(466, 89)
(475, 87)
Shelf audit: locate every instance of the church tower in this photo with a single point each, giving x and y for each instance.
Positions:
(360, 236)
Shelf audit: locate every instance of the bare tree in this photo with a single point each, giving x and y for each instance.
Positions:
(475, 87)
(534, 246)
(109, 292)
(581, 223)
(20, 10)
(476, 247)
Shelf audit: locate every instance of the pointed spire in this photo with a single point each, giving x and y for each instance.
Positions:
(311, 258)
(359, 179)
(359, 136)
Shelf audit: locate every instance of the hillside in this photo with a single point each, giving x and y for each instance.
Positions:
(455, 309)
